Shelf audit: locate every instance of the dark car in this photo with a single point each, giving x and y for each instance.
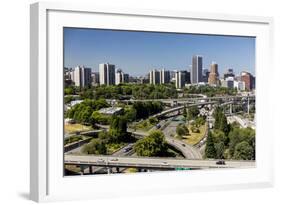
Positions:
(220, 162)
(158, 126)
(128, 149)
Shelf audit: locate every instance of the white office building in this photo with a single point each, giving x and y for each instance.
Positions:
(228, 82)
(239, 85)
(106, 74)
(82, 76)
(121, 77)
(154, 77)
(164, 76)
(179, 79)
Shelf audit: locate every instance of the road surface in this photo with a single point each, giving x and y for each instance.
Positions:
(148, 162)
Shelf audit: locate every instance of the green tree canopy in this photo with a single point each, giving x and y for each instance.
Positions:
(182, 130)
(118, 128)
(192, 112)
(151, 146)
(210, 150)
(243, 151)
(96, 146)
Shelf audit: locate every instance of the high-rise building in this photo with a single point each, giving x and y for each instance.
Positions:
(95, 78)
(228, 82)
(229, 73)
(107, 74)
(121, 77)
(205, 75)
(180, 79)
(239, 85)
(196, 70)
(154, 77)
(214, 74)
(82, 76)
(67, 76)
(164, 76)
(248, 79)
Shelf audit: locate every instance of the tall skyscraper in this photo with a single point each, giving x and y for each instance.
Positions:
(196, 70)
(95, 78)
(82, 76)
(164, 76)
(205, 75)
(154, 77)
(180, 79)
(214, 74)
(121, 77)
(107, 74)
(248, 79)
(229, 73)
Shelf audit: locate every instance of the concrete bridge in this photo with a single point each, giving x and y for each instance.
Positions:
(151, 163)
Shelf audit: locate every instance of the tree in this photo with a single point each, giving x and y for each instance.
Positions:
(99, 118)
(152, 146)
(130, 114)
(118, 128)
(243, 151)
(96, 146)
(184, 113)
(223, 126)
(182, 130)
(192, 112)
(238, 135)
(210, 150)
(219, 150)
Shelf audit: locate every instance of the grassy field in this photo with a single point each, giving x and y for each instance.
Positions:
(113, 147)
(144, 125)
(72, 128)
(194, 138)
(72, 139)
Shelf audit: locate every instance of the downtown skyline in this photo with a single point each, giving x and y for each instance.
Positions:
(138, 52)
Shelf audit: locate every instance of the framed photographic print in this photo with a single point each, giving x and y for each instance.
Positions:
(150, 101)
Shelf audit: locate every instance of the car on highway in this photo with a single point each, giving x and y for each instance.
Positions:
(183, 145)
(165, 163)
(158, 126)
(114, 159)
(127, 149)
(220, 162)
(100, 160)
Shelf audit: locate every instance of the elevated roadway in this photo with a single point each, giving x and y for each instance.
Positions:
(151, 163)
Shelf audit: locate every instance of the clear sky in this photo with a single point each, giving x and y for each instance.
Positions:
(138, 52)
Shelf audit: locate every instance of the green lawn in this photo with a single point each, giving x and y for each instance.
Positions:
(144, 125)
(113, 147)
(194, 138)
(72, 128)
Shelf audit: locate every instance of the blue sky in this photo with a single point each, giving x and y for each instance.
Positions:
(138, 52)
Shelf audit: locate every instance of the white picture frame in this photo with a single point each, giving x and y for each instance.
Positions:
(47, 182)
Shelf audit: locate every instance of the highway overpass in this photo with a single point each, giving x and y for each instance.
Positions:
(151, 163)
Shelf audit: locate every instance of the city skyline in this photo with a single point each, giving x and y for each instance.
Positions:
(145, 51)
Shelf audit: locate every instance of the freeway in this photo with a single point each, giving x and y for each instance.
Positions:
(151, 163)
(174, 109)
(187, 150)
(124, 151)
(171, 100)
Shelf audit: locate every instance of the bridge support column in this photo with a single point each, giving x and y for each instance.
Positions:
(108, 170)
(82, 168)
(90, 169)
